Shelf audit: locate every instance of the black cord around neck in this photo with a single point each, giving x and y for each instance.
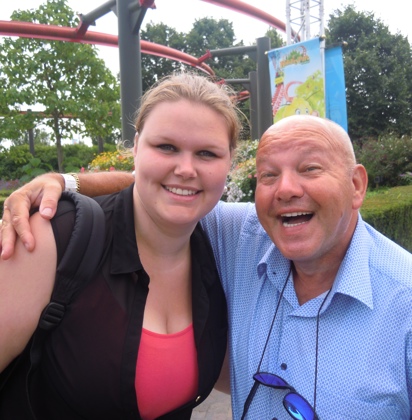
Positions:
(274, 317)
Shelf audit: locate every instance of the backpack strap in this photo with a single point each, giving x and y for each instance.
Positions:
(78, 264)
(80, 260)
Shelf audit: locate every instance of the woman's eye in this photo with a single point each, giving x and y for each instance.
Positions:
(166, 147)
(206, 153)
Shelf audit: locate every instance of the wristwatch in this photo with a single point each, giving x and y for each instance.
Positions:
(71, 182)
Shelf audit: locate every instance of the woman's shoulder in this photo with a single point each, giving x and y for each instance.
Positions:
(26, 284)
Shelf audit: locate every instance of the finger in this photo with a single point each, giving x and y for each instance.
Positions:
(49, 201)
(8, 236)
(15, 224)
(8, 239)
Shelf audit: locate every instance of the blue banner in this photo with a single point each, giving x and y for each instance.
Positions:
(335, 87)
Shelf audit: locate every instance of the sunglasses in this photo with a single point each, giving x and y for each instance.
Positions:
(296, 405)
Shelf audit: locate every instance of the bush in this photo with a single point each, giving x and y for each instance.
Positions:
(390, 212)
(34, 168)
(388, 160)
(111, 161)
(241, 182)
(75, 157)
(12, 162)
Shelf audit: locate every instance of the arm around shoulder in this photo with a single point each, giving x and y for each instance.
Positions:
(26, 284)
(102, 183)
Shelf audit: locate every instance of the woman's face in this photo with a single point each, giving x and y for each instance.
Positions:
(182, 157)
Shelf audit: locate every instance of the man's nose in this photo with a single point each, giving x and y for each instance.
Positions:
(288, 186)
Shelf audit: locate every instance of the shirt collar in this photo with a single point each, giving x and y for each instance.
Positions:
(125, 256)
(352, 279)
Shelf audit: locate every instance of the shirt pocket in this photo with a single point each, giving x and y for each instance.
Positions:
(345, 408)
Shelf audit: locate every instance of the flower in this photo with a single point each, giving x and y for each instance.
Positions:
(111, 161)
(242, 178)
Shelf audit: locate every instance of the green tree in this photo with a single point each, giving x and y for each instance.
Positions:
(210, 34)
(155, 67)
(378, 74)
(39, 134)
(276, 41)
(206, 34)
(67, 79)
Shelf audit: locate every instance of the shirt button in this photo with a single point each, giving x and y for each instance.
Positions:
(198, 398)
(283, 366)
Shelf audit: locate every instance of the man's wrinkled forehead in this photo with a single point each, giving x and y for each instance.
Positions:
(289, 135)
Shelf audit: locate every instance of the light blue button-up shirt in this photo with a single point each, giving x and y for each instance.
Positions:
(365, 325)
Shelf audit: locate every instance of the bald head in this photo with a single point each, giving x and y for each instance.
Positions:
(318, 131)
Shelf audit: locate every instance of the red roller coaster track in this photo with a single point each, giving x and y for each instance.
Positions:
(81, 35)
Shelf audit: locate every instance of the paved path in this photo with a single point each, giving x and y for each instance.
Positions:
(215, 407)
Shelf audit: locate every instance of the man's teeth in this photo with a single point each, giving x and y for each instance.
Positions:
(295, 214)
(180, 191)
(288, 223)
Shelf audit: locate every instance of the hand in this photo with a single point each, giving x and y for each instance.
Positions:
(43, 192)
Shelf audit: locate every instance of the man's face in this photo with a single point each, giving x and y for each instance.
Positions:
(306, 197)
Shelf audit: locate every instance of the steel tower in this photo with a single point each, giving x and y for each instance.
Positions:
(305, 19)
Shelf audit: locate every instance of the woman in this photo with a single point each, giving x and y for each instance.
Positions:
(146, 338)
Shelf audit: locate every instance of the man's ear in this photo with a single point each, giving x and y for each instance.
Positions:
(360, 183)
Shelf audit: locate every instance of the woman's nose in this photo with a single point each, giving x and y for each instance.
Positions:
(185, 167)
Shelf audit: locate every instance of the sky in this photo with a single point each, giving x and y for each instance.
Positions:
(182, 14)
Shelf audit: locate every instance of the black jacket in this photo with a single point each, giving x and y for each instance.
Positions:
(88, 363)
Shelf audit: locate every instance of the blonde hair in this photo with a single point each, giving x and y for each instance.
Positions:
(196, 89)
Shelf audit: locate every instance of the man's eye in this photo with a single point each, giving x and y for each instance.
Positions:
(266, 177)
(312, 168)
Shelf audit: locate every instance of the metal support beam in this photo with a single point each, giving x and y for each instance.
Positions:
(265, 117)
(130, 66)
(91, 17)
(31, 141)
(250, 85)
(254, 132)
(258, 84)
(233, 50)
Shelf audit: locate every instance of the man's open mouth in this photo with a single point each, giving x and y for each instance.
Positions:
(295, 219)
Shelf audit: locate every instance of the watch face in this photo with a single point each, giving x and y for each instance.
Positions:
(70, 183)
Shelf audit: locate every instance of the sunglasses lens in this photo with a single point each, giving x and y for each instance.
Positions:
(270, 380)
(298, 407)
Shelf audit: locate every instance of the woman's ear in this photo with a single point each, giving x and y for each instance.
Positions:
(136, 139)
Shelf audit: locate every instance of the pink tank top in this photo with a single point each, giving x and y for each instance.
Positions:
(166, 372)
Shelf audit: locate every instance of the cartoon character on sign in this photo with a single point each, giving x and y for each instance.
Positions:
(305, 99)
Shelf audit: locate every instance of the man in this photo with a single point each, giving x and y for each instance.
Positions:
(318, 300)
